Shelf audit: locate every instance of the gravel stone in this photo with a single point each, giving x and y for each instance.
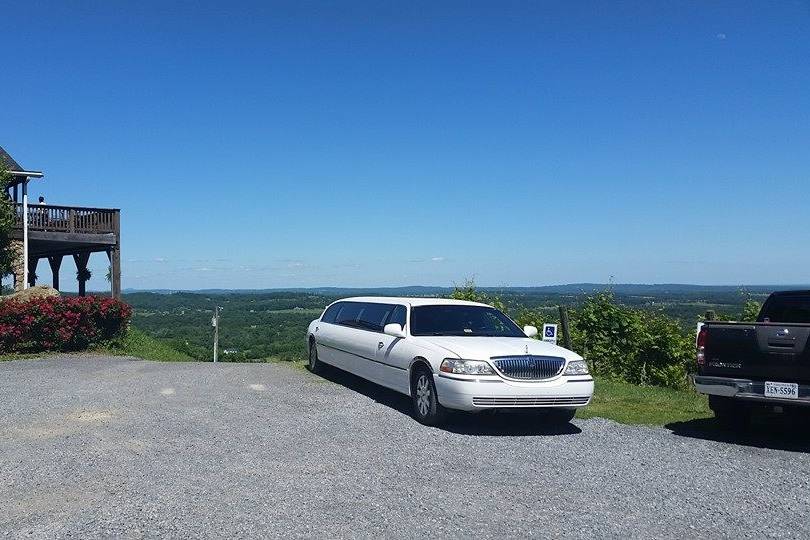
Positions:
(94, 447)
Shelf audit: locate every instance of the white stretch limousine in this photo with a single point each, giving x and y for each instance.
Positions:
(449, 354)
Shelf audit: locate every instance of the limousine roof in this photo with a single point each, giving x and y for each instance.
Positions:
(412, 301)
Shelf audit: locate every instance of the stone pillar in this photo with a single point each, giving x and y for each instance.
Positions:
(114, 255)
(18, 268)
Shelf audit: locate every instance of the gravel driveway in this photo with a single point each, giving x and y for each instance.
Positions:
(100, 447)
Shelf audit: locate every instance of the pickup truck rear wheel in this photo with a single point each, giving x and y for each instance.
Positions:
(730, 412)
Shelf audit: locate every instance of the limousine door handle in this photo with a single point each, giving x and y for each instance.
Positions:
(380, 345)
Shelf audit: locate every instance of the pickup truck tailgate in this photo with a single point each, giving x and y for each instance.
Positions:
(758, 351)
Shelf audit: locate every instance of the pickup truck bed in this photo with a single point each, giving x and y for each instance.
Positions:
(737, 361)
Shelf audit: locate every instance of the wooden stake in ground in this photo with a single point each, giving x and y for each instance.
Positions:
(566, 330)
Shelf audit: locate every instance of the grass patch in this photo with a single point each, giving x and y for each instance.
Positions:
(140, 345)
(24, 356)
(300, 365)
(630, 404)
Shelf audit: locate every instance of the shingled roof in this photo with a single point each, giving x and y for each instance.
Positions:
(16, 169)
(10, 163)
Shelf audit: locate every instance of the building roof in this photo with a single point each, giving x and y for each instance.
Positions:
(13, 165)
(16, 169)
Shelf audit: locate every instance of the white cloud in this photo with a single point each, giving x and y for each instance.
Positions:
(437, 259)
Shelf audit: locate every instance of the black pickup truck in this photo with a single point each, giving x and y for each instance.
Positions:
(766, 363)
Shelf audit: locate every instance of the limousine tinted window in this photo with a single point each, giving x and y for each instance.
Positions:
(330, 314)
(398, 316)
(373, 316)
(456, 320)
(365, 315)
(349, 313)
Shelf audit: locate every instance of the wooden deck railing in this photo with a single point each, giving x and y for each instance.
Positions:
(68, 219)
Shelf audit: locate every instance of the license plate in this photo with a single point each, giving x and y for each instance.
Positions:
(782, 390)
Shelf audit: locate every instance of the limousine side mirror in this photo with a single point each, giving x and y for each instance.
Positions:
(395, 330)
(530, 331)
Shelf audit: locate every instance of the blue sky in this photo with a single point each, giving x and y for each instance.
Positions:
(261, 144)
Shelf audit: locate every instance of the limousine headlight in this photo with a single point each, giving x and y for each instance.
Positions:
(466, 367)
(576, 367)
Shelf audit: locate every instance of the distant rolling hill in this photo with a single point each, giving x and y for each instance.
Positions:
(572, 288)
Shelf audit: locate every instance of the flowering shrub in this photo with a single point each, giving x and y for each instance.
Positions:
(60, 323)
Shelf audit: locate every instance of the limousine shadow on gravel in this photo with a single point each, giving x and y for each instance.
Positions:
(490, 423)
(772, 431)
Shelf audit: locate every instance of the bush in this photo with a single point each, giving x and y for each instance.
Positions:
(618, 341)
(60, 323)
(631, 344)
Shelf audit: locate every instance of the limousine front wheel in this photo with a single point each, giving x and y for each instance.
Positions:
(426, 406)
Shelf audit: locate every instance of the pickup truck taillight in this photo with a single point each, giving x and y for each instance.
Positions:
(701, 347)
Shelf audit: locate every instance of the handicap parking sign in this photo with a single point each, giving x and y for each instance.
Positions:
(550, 333)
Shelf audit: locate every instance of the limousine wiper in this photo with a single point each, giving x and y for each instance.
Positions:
(467, 334)
(454, 334)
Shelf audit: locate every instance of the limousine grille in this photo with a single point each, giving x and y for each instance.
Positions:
(573, 401)
(529, 367)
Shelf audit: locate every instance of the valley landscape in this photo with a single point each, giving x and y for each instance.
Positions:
(270, 324)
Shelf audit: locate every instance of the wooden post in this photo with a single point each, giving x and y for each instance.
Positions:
(81, 260)
(32, 270)
(566, 330)
(56, 264)
(114, 255)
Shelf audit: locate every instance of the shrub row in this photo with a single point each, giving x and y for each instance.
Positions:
(631, 344)
(60, 323)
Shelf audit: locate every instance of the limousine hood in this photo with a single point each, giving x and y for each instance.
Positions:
(484, 348)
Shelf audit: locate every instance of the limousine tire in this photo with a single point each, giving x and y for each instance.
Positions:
(314, 365)
(426, 407)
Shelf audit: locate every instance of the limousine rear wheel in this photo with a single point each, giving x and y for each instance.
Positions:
(313, 364)
(426, 406)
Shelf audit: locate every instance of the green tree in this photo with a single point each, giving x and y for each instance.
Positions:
(751, 309)
(7, 255)
(666, 354)
(468, 291)
(631, 344)
(607, 335)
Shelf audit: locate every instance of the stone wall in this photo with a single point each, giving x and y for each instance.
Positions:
(18, 268)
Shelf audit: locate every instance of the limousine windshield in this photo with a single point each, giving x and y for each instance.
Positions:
(459, 320)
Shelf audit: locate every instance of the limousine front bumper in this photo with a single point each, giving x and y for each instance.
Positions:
(470, 394)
